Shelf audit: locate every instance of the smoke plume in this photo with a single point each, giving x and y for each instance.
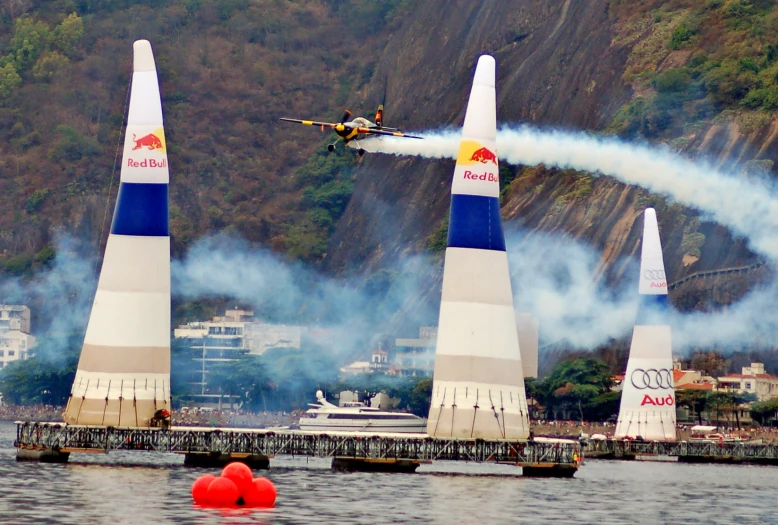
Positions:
(560, 292)
(745, 205)
(552, 275)
(59, 296)
(352, 311)
(552, 279)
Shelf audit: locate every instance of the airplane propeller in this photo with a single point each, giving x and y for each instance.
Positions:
(346, 116)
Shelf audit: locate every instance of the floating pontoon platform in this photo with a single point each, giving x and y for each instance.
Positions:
(54, 442)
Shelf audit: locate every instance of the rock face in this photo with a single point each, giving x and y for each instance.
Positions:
(546, 72)
(557, 63)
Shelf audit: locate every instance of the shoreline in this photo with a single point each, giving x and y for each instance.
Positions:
(239, 419)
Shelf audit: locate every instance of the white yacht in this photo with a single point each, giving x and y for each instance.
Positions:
(357, 417)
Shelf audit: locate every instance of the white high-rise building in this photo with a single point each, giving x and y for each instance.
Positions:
(15, 338)
(226, 338)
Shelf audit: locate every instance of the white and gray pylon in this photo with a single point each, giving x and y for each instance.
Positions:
(648, 394)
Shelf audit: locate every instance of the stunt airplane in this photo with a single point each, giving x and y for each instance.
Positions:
(360, 127)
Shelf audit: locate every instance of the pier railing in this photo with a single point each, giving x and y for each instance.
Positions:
(689, 451)
(268, 443)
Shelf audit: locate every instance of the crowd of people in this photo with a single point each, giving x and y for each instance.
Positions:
(199, 417)
(30, 413)
(183, 417)
(234, 418)
(576, 429)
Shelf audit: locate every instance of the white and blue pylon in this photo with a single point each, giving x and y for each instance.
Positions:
(123, 374)
(478, 385)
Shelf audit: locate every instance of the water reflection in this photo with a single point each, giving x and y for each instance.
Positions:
(135, 487)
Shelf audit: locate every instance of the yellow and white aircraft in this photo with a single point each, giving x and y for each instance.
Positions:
(355, 129)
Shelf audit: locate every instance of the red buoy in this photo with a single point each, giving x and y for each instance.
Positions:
(261, 494)
(200, 488)
(222, 492)
(240, 474)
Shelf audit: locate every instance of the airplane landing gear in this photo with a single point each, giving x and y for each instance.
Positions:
(360, 152)
(330, 147)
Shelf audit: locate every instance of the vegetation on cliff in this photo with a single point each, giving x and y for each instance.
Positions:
(228, 69)
(690, 61)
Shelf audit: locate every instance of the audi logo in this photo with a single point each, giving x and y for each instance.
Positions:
(652, 378)
(654, 275)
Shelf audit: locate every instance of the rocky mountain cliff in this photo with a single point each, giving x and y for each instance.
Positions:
(561, 64)
(699, 77)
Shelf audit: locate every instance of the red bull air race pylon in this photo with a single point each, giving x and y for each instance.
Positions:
(123, 376)
(648, 394)
(478, 389)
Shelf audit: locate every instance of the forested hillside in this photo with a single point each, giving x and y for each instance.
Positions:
(699, 76)
(228, 70)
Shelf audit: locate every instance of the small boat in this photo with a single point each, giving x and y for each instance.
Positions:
(357, 417)
(712, 434)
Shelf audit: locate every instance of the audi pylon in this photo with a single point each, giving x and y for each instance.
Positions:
(648, 395)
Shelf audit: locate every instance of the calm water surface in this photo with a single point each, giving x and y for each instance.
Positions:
(138, 487)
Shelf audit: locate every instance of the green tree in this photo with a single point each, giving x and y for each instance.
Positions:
(67, 35)
(30, 39)
(9, 81)
(695, 400)
(421, 396)
(49, 65)
(35, 200)
(245, 378)
(437, 241)
(765, 411)
(47, 376)
(72, 145)
(581, 385)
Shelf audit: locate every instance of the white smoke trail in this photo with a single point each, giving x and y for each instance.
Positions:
(746, 206)
(575, 309)
(551, 277)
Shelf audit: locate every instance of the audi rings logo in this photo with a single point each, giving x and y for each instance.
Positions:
(652, 378)
(654, 275)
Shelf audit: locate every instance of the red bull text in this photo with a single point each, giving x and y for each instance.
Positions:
(147, 163)
(491, 177)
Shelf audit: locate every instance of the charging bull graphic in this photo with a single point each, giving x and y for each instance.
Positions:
(483, 156)
(150, 141)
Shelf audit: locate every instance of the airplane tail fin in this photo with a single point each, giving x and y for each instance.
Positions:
(379, 116)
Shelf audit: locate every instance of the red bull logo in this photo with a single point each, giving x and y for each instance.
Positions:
(150, 141)
(483, 156)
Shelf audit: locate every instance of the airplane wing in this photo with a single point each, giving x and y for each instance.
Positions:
(309, 122)
(373, 131)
